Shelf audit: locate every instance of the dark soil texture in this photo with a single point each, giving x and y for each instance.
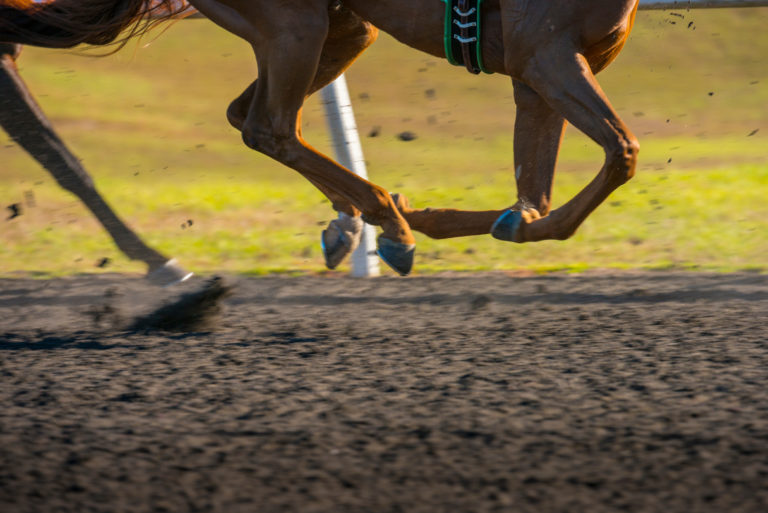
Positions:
(641, 392)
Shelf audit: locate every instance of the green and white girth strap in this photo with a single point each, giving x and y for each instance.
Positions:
(461, 34)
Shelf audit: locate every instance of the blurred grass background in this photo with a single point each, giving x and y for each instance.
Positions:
(149, 125)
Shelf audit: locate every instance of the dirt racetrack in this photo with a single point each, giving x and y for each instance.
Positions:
(470, 393)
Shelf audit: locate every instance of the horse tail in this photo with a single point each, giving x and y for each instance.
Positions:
(68, 23)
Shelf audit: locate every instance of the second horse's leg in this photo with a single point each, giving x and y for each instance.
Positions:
(26, 123)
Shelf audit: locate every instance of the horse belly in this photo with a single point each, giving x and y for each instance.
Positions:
(416, 23)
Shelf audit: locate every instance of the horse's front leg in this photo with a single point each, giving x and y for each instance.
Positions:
(26, 123)
(538, 133)
(565, 81)
(343, 234)
(288, 44)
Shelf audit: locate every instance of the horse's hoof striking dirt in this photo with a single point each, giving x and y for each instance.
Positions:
(396, 255)
(170, 273)
(193, 311)
(506, 226)
(340, 239)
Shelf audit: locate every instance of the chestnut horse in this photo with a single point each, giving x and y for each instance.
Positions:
(551, 49)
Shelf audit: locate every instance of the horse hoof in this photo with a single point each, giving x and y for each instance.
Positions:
(340, 239)
(506, 226)
(170, 273)
(396, 255)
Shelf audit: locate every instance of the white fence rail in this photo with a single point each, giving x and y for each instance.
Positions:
(699, 4)
(647, 5)
(349, 153)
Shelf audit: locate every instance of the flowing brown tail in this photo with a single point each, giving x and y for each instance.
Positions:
(68, 23)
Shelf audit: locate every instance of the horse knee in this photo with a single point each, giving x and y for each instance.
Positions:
(621, 158)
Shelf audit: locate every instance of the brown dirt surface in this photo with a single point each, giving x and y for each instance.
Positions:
(643, 392)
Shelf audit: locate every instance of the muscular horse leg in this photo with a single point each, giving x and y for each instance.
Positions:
(288, 48)
(538, 133)
(566, 82)
(26, 123)
(348, 37)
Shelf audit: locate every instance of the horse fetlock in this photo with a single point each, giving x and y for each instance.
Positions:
(622, 159)
(383, 207)
(538, 206)
(167, 273)
(511, 225)
(534, 227)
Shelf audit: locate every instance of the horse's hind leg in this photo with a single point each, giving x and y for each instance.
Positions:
(348, 37)
(25, 122)
(565, 81)
(288, 44)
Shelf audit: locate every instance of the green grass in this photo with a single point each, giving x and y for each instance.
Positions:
(149, 125)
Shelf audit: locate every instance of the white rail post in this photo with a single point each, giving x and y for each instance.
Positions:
(349, 153)
(697, 4)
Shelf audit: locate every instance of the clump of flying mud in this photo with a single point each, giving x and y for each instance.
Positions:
(193, 311)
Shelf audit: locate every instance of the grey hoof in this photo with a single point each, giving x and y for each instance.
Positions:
(340, 239)
(506, 226)
(170, 273)
(396, 255)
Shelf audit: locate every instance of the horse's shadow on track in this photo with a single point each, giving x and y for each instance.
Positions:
(192, 314)
(48, 342)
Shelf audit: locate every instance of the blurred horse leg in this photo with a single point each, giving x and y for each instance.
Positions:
(26, 123)
(288, 43)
